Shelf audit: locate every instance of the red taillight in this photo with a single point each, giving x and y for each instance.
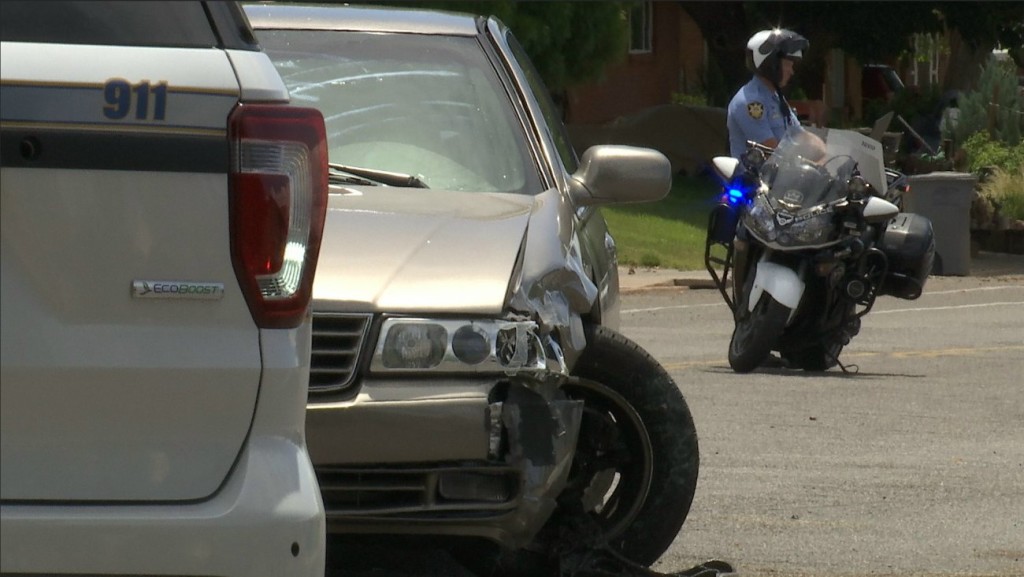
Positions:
(262, 220)
(278, 201)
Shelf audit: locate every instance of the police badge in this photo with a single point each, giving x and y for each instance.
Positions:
(755, 110)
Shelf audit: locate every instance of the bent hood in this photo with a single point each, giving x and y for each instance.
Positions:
(415, 250)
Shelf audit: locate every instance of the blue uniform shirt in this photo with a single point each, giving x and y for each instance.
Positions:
(755, 114)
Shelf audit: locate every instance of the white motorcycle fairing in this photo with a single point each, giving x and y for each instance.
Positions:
(879, 210)
(781, 282)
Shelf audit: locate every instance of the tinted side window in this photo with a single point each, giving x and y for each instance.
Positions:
(552, 116)
(120, 23)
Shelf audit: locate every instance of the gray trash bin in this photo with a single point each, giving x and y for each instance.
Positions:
(945, 198)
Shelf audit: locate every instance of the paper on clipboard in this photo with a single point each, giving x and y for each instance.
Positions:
(867, 153)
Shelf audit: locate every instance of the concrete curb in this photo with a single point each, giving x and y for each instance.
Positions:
(637, 280)
(634, 280)
(678, 284)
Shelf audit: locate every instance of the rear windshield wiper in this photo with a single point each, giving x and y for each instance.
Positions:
(374, 176)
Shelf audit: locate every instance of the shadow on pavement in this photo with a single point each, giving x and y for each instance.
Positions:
(396, 556)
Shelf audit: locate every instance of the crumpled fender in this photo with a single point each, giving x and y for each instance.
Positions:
(550, 280)
(542, 435)
(779, 281)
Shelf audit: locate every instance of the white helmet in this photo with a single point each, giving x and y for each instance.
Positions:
(768, 47)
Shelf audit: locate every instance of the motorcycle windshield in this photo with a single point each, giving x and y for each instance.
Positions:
(811, 167)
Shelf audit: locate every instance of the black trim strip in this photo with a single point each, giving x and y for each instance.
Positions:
(231, 26)
(98, 150)
(161, 24)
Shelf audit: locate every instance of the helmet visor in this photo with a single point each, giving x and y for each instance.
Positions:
(792, 46)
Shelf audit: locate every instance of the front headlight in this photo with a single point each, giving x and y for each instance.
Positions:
(813, 231)
(458, 346)
(783, 229)
(760, 219)
(414, 346)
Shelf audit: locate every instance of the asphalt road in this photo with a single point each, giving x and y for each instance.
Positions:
(913, 466)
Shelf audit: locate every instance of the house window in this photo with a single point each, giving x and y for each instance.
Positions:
(640, 24)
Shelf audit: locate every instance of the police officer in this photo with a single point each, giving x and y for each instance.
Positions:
(759, 112)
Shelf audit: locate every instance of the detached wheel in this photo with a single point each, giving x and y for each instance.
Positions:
(756, 334)
(634, 472)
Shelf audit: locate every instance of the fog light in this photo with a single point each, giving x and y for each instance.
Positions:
(460, 486)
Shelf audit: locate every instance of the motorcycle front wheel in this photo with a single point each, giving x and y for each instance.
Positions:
(756, 334)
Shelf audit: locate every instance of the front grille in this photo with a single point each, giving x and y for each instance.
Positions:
(337, 341)
(410, 493)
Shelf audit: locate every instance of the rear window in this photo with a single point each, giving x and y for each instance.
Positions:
(119, 23)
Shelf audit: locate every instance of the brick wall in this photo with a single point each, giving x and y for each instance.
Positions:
(644, 80)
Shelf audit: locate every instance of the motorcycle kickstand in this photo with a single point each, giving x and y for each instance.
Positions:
(847, 369)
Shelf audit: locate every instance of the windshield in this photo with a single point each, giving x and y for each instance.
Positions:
(428, 106)
(811, 167)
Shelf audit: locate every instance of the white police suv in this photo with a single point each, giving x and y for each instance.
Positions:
(162, 207)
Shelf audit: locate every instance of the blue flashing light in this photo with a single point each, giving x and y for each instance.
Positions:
(735, 196)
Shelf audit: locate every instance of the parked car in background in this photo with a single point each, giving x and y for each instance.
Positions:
(467, 379)
(162, 213)
(879, 82)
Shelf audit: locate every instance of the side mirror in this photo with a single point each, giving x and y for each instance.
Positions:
(610, 174)
(726, 167)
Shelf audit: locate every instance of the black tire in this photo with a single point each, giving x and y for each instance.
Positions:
(756, 334)
(637, 423)
(631, 400)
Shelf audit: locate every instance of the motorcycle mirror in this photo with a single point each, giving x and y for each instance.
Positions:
(858, 188)
(753, 158)
(726, 167)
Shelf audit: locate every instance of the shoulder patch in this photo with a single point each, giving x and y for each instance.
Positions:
(755, 110)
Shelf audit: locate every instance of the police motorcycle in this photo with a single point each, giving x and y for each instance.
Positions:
(811, 241)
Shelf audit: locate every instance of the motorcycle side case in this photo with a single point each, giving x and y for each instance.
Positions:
(909, 245)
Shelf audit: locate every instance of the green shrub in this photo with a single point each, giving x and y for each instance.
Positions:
(1000, 170)
(689, 99)
(996, 106)
(1005, 187)
(985, 154)
(911, 103)
(915, 102)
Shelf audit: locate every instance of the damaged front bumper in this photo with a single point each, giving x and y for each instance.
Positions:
(480, 449)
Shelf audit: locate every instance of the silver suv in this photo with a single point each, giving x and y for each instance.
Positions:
(162, 213)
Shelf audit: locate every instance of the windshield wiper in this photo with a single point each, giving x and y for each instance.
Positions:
(380, 176)
(336, 177)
